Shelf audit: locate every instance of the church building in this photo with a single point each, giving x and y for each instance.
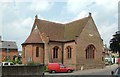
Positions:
(76, 44)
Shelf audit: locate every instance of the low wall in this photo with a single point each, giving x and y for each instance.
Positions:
(22, 70)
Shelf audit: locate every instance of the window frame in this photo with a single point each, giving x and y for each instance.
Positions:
(55, 52)
(69, 52)
(37, 51)
(90, 52)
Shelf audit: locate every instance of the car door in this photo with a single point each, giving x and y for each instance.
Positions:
(62, 68)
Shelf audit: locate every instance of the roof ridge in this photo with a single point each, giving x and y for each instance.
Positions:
(7, 41)
(77, 20)
(50, 21)
(59, 22)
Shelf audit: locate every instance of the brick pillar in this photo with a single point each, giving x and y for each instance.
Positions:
(46, 58)
(45, 40)
(47, 55)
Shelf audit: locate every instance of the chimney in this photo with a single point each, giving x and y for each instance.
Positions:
(36, 17)
(90, 13)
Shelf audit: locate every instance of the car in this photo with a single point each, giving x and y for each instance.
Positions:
(116, 72)
(108, 61)
(7, 63)
(58, 67)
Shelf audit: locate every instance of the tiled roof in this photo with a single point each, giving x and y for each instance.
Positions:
(57, 31)
(8, 44)
(73, 29)
(54, 31)
(34, 37)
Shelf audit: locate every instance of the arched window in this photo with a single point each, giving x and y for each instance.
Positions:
(55, 52)
(69, 52)
(37, 51)
(90, 52)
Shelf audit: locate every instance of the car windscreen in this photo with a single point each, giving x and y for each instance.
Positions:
(5, 63)
(62, 66)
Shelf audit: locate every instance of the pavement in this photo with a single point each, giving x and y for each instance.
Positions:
(105, 71)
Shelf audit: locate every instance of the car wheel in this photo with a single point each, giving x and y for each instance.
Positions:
(53, 71)
(50, 71)
(69, 71)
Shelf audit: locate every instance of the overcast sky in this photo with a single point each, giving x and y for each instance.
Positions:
(17, 16)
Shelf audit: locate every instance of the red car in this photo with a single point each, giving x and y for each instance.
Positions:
(58, 67)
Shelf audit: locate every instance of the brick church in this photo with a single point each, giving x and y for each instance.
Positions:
(75, 44)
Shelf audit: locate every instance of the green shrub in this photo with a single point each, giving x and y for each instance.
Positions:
(45, 68)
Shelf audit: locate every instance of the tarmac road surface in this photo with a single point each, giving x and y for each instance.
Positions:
(105, 71)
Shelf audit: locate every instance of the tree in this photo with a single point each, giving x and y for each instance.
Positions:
(115, 43)
(17, 59)
(14, 57)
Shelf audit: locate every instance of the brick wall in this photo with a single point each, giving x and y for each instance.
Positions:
(89, 36)
(11, 53)
(51, 46)
(70, 62)
(29, 53)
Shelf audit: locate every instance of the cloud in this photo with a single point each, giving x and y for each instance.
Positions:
(82, 14)
(6, 0)
(107, 4)
(26, 23)
(32, 0)
(0, 23)
(75, 6)
(18, 30)
(41, 5)
(106, 31)
(27, 5)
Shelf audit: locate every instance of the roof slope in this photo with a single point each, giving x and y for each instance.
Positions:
(57, 31)
(8, 44)
(73, 29)
(54, 31)
(34, 37)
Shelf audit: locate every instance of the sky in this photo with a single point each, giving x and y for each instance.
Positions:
(17, 16)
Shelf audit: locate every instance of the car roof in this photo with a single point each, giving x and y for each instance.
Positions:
(7, 62)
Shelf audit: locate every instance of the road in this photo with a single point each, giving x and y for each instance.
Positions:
(106, 71)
